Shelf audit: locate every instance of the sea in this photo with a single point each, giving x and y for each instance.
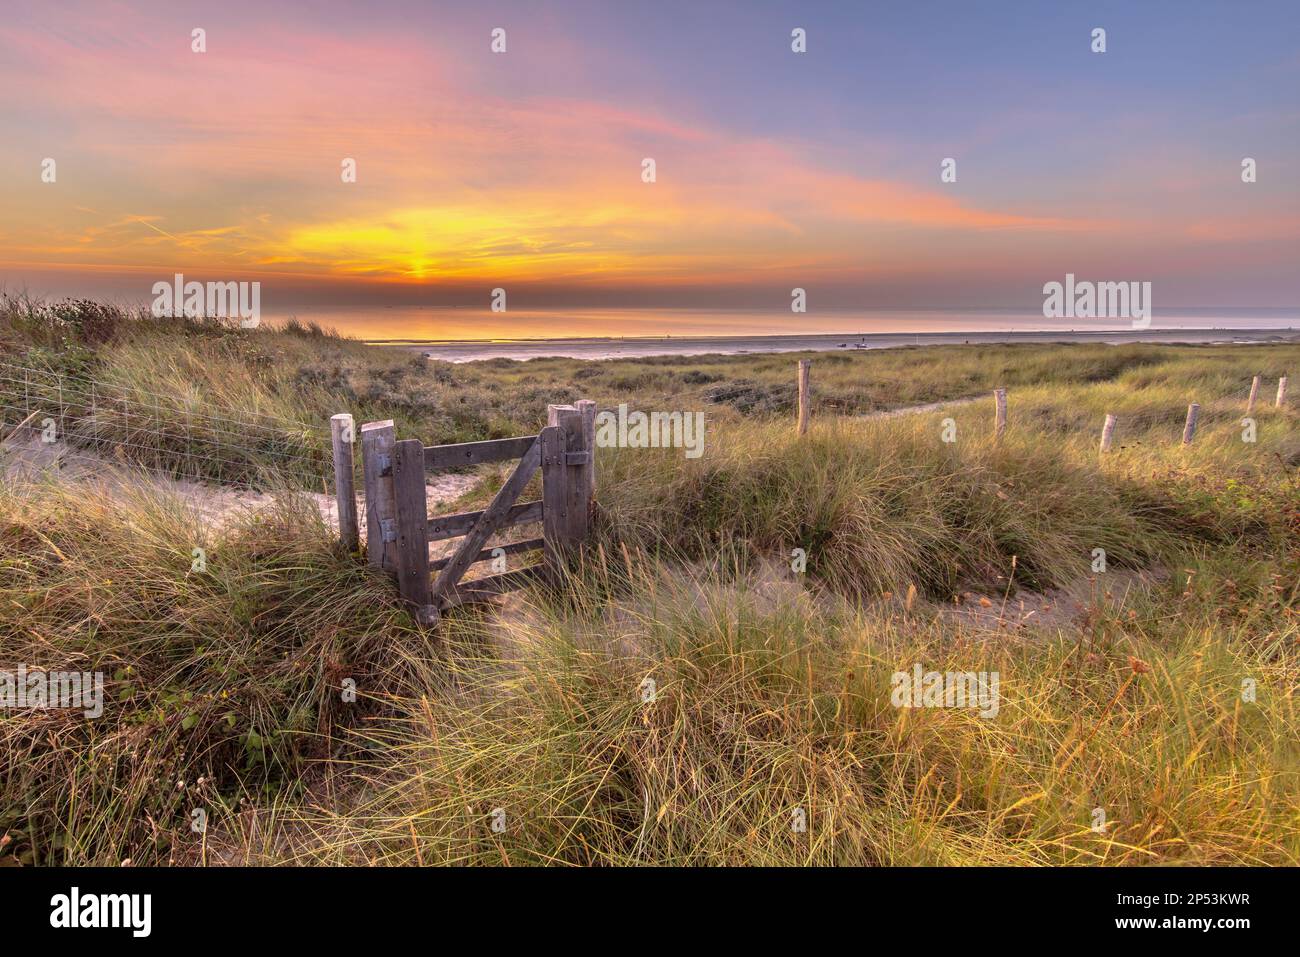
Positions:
(465, 335)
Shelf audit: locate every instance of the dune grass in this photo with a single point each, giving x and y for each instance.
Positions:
(689, 697)
(771, 694)
(221, 683)
(766, 710)
(300, 374)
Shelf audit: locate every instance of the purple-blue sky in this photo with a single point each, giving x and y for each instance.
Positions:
(774, 169)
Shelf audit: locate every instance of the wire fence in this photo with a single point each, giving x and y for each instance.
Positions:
(776, 400)
(52, 418)
(74, 418)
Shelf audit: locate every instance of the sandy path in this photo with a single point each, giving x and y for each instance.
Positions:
(28, 459)
(1064, 609)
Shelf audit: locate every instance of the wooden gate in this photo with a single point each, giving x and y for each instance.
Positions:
(399, 529)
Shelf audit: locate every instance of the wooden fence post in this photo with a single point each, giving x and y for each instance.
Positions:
(341, 434)
(377, 440)
(1281, 392)
(1189, 429)
(1000, 413)
(554, 502)
(578, 458)
(588, 409)
(412, 529)
(1254, 391)
(1107, 432)
(804, 366)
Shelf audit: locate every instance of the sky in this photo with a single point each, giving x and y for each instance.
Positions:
(523, 170)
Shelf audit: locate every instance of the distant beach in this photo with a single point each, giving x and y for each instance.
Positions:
(634, 347)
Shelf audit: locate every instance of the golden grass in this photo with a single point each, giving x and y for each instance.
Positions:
(771, 691)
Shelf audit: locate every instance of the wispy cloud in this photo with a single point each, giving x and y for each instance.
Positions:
(474, 168)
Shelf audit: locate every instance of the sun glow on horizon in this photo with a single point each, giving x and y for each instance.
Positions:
(475, 171)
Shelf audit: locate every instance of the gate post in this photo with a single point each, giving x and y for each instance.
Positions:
(377, 441)
(554, 503)
(412, 529)
(341, 435)
(588, 409)
(578, 473)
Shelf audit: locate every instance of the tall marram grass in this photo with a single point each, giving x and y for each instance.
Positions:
(767, 705)
(221, 683)
(772, 698)
(770, 692)
(302, 374)
(877, 506)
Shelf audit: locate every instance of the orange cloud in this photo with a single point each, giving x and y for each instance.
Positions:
(231, 160)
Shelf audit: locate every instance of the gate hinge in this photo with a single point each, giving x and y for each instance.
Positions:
(577, 458)
(389, 529)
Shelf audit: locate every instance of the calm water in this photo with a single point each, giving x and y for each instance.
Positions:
(689, 346)
(463, 335)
